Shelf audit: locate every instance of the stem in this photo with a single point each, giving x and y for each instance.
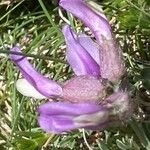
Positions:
(84, 137)
(32, 55)
(46, 13)
(136, 7)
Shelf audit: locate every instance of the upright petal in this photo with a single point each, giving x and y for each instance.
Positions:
(90, 46)
(111, 61)
(78, 57)
(43, 85)
(96, 22)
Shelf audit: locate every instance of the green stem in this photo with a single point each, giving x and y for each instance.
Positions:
(139, 131)
(32, 55)
(46, 13)
(136, 7)
(11, 10)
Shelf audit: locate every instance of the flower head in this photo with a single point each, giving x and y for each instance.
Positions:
(110, 55)
(87, 100)
(61, 117)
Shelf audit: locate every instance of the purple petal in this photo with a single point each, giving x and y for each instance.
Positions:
(42, 84)
(97, 23)
(61, 117)
(53, 108)
(79, 58)
(55, 124)
(90, 46)
(111, 60)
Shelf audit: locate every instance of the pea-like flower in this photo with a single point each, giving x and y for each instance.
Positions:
(110, 56)
(88, 99)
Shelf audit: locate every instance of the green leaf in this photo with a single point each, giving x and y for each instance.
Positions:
(146, 84)
(102, 145)
(129, 19)
(146, 78)
(148, 2)
(25, 144)
(119, 3)
(121, 145)
(146, 73)
(31, 139)
(144, 21)
(138, 129)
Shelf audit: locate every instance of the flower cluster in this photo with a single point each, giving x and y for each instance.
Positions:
(88, 100)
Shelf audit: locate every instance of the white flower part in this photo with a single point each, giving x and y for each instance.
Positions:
(91, 119)
(121, 106)
(26, 89)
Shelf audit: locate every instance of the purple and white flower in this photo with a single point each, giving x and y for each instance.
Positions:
(88, 99)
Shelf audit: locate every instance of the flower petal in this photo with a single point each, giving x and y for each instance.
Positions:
(111, 59)
(79, 59)
(43, 85)
(90, 46)
(62, 117)
(26, 89)
(55, 124)
(73, 109)
(92, 120)
(97, 23)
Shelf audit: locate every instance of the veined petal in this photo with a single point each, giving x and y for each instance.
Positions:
(111, 59)
(79, 59)
(90, 46)
(62, 117)
(26, 89)
(55, 124)
(43, 85)
(96, 22)
(59, 108)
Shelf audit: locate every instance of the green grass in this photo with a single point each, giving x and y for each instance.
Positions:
(36, 25)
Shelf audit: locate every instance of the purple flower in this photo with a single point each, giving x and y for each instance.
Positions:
(110, 57)
(87, 100)
(82, 54)
(61, 117)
